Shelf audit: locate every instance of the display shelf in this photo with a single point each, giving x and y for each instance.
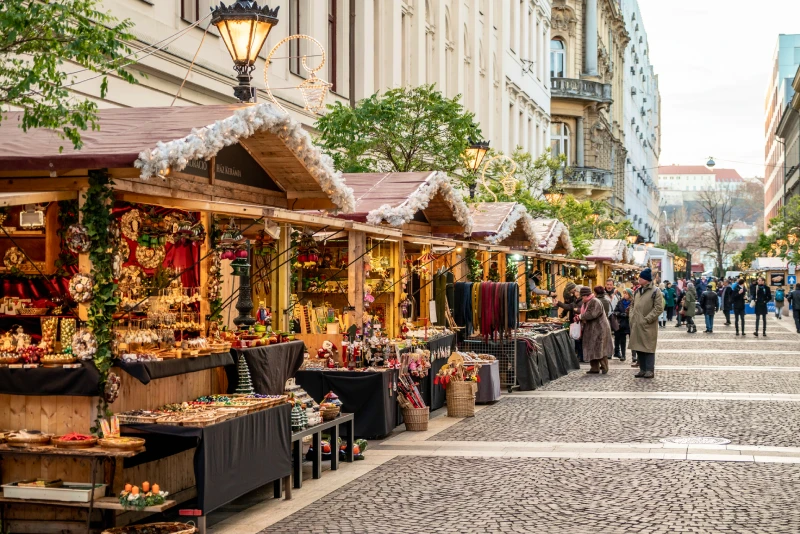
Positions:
(103, 503)
(51, 450)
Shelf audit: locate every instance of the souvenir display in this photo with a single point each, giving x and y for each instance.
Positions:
(68, 326)
(84, 345)
(53, 360)
(74, 440)
(28, 438)
(150, 257)
(132, 497)
(13, 258)
(77, 239)
(131, 222)
(80, 287)
(130, 277)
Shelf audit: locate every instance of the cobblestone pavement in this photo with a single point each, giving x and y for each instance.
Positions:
(758, 359)
(629, 421)
(619, 379)
(502, 495)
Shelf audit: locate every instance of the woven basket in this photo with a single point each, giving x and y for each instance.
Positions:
(154, 528)
(32, 311)
(416, 419)
(460, 399)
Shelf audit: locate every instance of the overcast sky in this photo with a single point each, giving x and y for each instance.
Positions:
(714, 60)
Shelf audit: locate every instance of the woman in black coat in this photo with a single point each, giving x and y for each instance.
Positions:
(762, 295)
(738, 301)
(621, 335)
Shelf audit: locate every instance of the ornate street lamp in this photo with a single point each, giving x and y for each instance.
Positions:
(631, 239)
(473, 157)
(710, 163)
(553, 195)
(244, 27)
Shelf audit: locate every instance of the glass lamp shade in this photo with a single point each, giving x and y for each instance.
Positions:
(474, 154)
(553, 197)
(632, 239)
(244, 27)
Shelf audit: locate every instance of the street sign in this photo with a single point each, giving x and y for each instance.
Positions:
(791, 279)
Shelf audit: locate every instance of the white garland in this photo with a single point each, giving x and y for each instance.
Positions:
(438, 182)
(510, 224)
(203, 143)
(558, 231)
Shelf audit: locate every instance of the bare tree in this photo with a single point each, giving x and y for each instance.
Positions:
(675, 227)
(713, 217)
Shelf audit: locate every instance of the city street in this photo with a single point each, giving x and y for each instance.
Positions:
(582, 454)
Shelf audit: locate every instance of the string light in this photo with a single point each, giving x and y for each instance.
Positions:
(508, 181)
(313, 89)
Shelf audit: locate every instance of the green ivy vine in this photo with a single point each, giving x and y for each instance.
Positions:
(97, 219)
(475, 273)
(214, 235)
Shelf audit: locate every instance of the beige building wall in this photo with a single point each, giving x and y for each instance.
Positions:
(493, 52)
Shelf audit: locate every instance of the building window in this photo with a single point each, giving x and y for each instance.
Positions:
(294, 29)
(559, 140)
(430, 43)
(558, 59)
(333, 24)
(194, 10)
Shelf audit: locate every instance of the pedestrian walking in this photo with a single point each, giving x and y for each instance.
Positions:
(739, 299)
(680, 290)
(726, 298)
(647, 306)
(662, 319)
(602, 296)
(794, 300)
(780, 297)
(624, 328)
(761, 295)
(670, 297)
(690, 308)
(612, 293)
(595, 331)
(709, 302)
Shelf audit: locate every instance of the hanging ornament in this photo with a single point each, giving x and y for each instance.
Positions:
(131, 222)
(13, 258)
(77, 238)
(313, 89)
(232, 244)
(84, 345)
(150, 257)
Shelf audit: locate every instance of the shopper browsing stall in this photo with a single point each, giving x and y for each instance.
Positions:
(596, 332)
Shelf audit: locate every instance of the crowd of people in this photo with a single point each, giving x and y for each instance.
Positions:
(613, 318)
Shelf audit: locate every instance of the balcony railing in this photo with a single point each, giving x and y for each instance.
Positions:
(587, 177)
(580, 89)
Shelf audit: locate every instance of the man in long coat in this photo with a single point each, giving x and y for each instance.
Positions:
(648, 304)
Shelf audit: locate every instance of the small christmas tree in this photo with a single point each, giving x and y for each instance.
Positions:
(297, 418)
(245, 386)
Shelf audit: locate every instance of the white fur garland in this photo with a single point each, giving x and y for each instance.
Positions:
(557, 231)
(438, 182)
(203, 143)
(510, 224)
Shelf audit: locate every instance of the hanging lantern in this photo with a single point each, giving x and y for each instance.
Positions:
(313, 88)
(314, 91)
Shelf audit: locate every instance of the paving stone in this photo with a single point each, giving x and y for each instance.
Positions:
(558, 495)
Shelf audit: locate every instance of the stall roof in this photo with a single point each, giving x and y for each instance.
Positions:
(611, 250)
(503, 223)
(155, 140)
(641, 257)
(397, 197)
(768, 263)
(553, 236)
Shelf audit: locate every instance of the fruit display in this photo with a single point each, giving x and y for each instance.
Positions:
(75, 440)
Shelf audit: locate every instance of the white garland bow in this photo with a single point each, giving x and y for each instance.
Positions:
(438, 182)
(203, 143)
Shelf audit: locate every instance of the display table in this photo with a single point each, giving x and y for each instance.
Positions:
(233, 457)
(370, 395)
(81, 382)
(434, 396)
(144, 372)
(555, 359)
(489, 384)
(315, 431)
(270, 366)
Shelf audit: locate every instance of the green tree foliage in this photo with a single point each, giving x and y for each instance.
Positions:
(401, 130)
(40, 45)
(783, 229)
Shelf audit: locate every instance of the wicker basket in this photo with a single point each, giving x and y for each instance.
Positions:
(32, 311)
(416, 419)
(460, 399)
(154, 528)
(329, 413)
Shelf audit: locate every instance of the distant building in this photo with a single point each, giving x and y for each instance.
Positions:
(789, 131)
(693, 179)
(786, 60)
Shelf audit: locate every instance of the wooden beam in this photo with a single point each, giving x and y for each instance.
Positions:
(52, 243)
(15, 185)
(205, 265)
(356, 245)
(284, 277)
(20, 198)
(84, 263)
(223, 208)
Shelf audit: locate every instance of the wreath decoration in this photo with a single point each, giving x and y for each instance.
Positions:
(150, 257)
(13, 258)
(80, 287)
(84, 345)
(131, 276)
(77, 239)
(123, 250)
(131, 224)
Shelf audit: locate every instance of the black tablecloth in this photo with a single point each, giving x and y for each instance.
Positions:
(233, 457)
(79, 382)
(371, 396)
(433, 395)
(144, 372)
(270, 366)
(489, 385)
(556, 359)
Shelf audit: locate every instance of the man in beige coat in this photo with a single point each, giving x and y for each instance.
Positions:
(647, 305)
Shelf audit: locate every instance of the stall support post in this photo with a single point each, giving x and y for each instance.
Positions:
(52, 243)
(356, 245)
(84, 263)
(205, 264)
(399, 254)
(284, 277)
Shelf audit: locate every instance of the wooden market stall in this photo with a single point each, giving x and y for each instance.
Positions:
(163, 177)
(613, 258)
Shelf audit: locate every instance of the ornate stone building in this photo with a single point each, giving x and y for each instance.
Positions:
(587, 48)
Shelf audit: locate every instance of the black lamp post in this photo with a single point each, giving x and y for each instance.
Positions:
(473, 157)
(244, 27)
(244, 304)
